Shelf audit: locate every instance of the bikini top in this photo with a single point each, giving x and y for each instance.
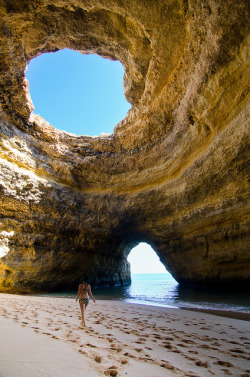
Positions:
(84, 290)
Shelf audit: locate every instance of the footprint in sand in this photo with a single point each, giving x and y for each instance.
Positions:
(138, 349)
(236, 350)
(168, 346)
(205, 346)
(193, 352)
(168, 338)
(82, 352)
(90, 345)
(189, 358)
(129, 355)
(167, 366)
(72, 340)
(215, 344)
(158, 337)
(227, 372)
(224, 363)
(146, 359)
(181, 345)
(175, 350)
(116, 347)
(112, 371)
(189, 341)
(110, 340)
(98, 359)
(203, 364)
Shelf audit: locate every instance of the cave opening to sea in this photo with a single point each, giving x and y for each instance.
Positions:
(144, 260)
(76, 93)
(150, 281)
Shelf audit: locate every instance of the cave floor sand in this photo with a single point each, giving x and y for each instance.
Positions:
(42, 336)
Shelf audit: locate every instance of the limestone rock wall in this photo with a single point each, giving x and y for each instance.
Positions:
(175, 171)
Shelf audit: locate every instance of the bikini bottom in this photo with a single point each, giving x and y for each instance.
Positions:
(85, 300)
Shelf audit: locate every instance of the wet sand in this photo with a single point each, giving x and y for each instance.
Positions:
(223, 313)
(42, 336)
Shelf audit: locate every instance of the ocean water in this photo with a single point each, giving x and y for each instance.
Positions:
(163, 290)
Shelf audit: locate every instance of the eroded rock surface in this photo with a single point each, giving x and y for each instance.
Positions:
(173, 174)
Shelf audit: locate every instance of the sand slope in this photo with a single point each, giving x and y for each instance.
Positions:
(43, 335)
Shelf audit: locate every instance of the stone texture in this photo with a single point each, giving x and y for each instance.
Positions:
(175, 171)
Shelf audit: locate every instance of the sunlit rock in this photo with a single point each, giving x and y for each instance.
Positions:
(173, 174)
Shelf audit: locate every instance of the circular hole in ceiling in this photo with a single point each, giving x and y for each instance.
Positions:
(80, 94)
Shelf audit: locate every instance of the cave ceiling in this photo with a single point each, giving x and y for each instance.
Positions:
(175, 171)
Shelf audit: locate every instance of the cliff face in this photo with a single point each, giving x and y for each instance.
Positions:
(174, 173)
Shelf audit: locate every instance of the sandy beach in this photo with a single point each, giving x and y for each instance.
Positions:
(42, 336)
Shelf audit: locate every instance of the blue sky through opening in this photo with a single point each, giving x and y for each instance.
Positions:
(82, 94)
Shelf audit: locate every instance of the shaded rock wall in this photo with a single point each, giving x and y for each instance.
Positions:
(175, 171)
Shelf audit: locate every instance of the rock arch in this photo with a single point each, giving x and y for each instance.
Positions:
(173, 174)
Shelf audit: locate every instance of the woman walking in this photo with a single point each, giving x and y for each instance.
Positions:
(84, 291)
